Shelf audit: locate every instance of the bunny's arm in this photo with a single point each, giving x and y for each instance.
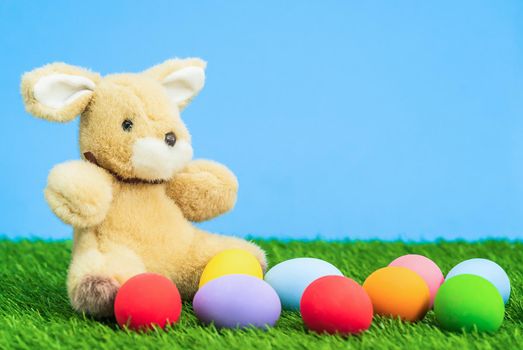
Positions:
(203, 190)
(79, 193)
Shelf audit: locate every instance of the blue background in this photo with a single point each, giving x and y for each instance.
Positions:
(388, 119)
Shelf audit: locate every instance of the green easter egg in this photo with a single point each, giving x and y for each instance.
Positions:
(467, 302)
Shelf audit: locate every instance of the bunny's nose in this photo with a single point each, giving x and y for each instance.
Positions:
(170, 139)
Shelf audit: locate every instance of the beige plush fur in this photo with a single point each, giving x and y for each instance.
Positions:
(132, 198)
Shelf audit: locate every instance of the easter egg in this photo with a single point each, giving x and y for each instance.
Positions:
(426, 268)
(336, 304)
(468, 302)
(147, 300)
(398, 292)
(231, 261)
(487, 269)
(237, 301)
(290, 278)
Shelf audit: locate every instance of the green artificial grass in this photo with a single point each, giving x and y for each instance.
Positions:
(35, 312)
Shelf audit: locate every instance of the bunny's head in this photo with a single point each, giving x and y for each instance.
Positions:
(130, 124)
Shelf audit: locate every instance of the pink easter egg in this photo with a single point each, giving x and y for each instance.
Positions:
(426, 268)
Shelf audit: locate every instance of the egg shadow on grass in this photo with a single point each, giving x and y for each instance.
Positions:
(289, 321)
(292, 321)
(380, 323)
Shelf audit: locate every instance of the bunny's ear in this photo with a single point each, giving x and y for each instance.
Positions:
(58, 92)
(182, 79)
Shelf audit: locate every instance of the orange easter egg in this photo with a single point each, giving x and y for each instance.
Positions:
(398, 292)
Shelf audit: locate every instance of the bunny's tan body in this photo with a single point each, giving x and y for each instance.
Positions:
(133, 197)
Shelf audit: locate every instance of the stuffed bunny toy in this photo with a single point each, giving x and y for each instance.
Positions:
(132, 198)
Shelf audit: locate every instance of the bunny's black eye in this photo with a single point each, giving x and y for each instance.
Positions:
(127, 125)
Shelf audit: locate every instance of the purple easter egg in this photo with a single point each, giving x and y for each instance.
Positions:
(237, 301)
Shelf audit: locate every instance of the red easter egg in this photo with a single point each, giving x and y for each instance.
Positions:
(336, 304)
(147, 300)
